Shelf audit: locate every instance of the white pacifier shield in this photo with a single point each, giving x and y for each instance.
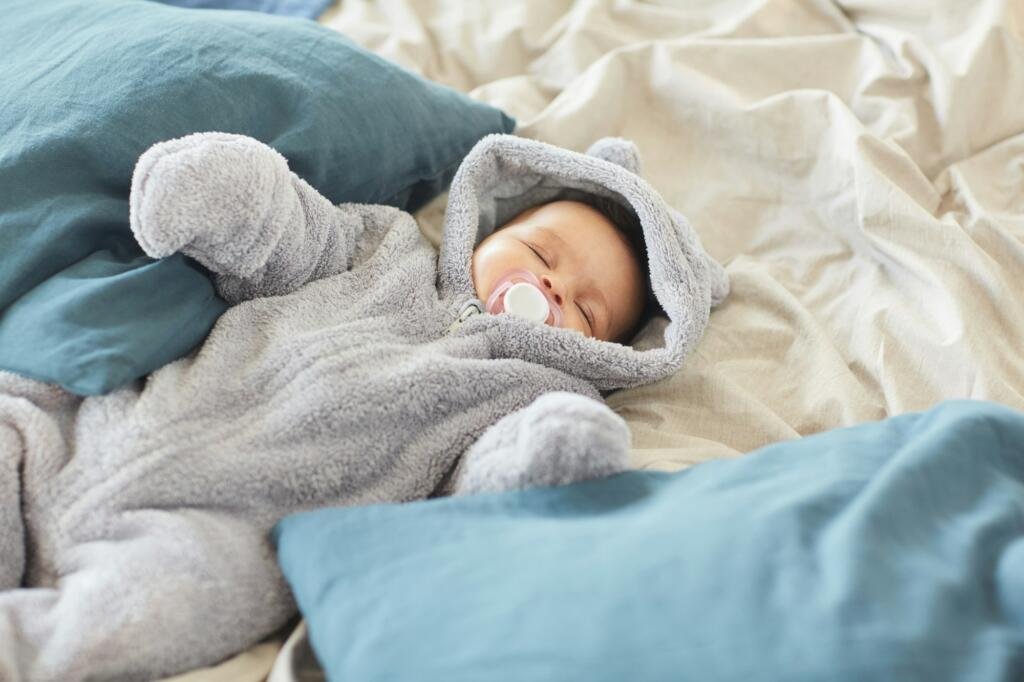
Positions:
(526, 300)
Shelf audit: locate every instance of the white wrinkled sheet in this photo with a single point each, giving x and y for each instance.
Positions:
(858, 167)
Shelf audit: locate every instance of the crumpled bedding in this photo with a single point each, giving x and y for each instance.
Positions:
(857, 165)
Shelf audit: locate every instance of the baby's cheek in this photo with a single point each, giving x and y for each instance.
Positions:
(572, 319)
(483, 269)
(475, 272)
(484, 277)
(491, 260)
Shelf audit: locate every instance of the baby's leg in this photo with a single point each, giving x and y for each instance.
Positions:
(34, 419)
(168, 591)
(12, 530)
(230, 202)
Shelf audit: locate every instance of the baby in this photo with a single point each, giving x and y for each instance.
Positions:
(357, 365)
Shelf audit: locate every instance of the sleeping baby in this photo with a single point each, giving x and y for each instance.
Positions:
(357, 365)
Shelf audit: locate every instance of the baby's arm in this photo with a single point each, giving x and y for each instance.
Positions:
(230, 202)
(558, 438)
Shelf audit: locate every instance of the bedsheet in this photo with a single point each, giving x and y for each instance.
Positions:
(858, 166)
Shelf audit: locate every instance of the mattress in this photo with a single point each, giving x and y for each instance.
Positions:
(858, 167)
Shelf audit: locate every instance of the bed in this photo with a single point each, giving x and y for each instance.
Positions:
(858, 167)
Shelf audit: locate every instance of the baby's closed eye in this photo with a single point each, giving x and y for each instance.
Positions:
(539, 255)
(587, 315)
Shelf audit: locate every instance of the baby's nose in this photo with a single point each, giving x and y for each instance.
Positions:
(550, 285)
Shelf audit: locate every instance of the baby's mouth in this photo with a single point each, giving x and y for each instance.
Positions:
(520, 293)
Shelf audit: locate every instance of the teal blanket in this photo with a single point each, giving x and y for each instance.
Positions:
(886, 551)
(307, 9)
(88, 85)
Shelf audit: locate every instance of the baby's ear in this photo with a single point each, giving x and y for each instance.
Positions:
(619, 151)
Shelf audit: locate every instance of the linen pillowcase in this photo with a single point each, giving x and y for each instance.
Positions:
(890, 550)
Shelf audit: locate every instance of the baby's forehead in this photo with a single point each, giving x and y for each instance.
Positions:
(573, 224)
(569, 219)
(570, 207)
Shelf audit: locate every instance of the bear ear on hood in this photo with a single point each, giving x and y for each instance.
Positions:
(624, 153)
(619, 151)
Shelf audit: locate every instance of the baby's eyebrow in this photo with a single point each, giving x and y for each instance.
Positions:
(553, 236)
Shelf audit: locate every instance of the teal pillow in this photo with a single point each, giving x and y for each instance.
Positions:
(886, 551)
(88, 85)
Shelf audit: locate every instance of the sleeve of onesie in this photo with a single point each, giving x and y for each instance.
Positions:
(559, 438)
(231, 202)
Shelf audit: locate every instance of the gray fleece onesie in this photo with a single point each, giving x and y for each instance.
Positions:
(355, 368)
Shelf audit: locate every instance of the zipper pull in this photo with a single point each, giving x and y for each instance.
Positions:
(473, 306)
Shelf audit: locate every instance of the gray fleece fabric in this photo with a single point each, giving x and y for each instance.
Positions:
(355, 367)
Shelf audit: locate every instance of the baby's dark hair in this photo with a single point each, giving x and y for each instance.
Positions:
(627, 222)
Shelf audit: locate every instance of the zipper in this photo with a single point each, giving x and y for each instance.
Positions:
(473, 306)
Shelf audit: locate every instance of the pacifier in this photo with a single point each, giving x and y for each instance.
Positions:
(520, 293)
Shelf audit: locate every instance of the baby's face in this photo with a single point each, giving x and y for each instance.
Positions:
(579, 256)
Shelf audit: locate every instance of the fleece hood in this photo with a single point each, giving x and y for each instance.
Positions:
(504, 175)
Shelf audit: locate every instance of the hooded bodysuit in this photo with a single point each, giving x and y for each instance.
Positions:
(357, 366)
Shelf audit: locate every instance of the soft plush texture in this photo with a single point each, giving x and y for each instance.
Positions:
(81, 305)
(355, 368)
(890, 550)
(558, 438)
